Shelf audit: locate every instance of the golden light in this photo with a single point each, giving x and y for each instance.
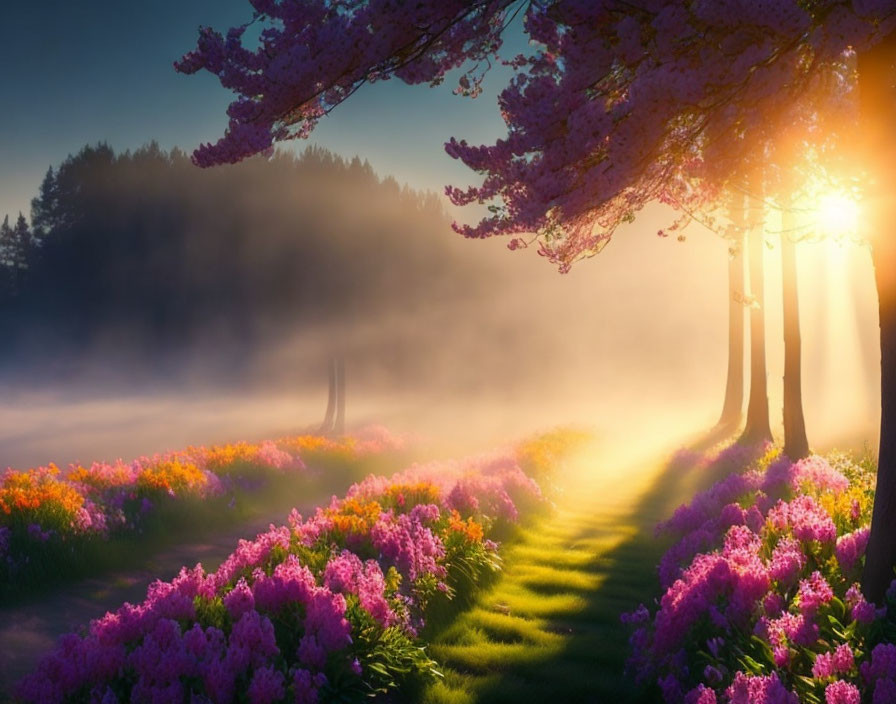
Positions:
(837, 215)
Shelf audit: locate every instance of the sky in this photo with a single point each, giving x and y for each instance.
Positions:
(101, 70)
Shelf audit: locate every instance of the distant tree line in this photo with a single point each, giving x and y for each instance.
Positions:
(17, 250)
(144, 250)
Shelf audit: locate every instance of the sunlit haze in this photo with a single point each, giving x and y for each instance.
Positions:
(447, 352)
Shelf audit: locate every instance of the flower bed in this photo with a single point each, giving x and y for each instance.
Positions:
(49, 515)
(762, 602)
(324, 608)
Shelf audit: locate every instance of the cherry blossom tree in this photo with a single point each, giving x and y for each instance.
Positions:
(621, 103)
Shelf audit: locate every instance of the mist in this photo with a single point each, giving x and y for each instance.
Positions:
(190, 307)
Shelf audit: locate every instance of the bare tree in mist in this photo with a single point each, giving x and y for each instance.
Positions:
(334, 417)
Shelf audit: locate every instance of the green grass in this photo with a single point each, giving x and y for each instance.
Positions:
(548, 628)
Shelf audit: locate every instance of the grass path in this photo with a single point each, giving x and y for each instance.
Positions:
(548, 630)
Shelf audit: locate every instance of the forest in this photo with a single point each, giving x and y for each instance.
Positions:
(140, 259)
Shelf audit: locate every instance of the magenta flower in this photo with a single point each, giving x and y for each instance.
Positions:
(841, 692)
(747, 689)
(805, 518)
(813, 593)
(850, 548)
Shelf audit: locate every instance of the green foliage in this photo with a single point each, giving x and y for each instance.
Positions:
(392, 660)
(212, 613)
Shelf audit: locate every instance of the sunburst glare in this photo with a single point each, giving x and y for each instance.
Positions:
(837, 214)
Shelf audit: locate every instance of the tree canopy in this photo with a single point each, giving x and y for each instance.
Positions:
(618, 104)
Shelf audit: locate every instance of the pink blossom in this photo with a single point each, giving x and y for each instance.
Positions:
(805, 518)
(850, 548)
(758, 689)
(841, 692)
(813, 593)
(787, 561)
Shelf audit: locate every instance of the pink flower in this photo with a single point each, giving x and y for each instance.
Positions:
(813, 593)
(787, 561)
(747, 689)
(844, 659)
(841, 692)
(851, 547)
(805, 518)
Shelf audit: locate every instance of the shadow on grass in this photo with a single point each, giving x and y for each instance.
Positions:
(550, 629)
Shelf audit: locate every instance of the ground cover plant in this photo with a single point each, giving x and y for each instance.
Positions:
(762, 598)
(326, 608)
(55, 523)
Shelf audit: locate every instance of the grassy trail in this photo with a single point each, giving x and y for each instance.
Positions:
(548, 630)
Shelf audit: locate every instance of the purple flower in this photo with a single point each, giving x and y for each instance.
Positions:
(882, 665)
(239, 600)
(639, 615)
(267, 686)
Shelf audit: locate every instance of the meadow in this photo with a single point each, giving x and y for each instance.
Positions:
(724, 573)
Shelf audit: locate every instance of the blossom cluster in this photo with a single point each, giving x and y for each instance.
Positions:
(49, 506)
(762, 601)
(325, 607)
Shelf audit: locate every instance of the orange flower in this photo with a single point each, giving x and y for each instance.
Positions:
(413, 494)
(222, 456)
(353, 516)
(470, 529)
(38, 490)
(344, 448)
(172, 475)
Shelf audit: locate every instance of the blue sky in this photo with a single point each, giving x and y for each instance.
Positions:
(100, 70)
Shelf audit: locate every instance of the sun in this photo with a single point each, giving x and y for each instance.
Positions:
(837, 214)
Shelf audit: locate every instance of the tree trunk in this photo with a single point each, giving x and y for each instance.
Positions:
(732, 408)
(757, 429)
(326, 427)
(339, 423)
(796, 445)
(878, 113)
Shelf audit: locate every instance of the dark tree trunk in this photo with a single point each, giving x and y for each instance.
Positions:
(796, 445)
(732, 408)
(880, 556)
(757, 428)
(878, 114)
